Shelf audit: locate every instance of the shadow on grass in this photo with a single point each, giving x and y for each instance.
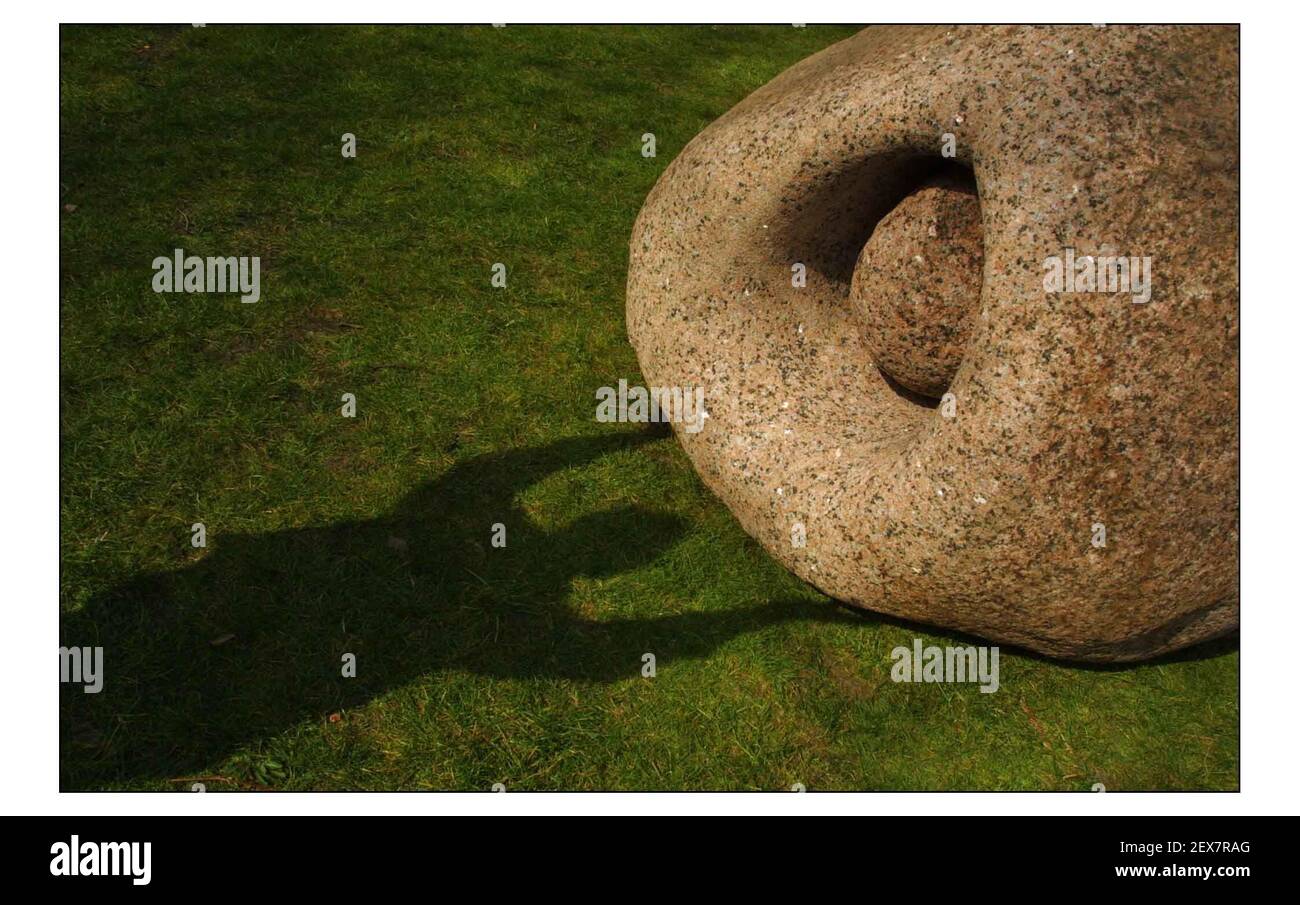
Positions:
(1210, 649)
(250, 640)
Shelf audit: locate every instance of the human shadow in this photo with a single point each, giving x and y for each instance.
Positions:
(251, 639)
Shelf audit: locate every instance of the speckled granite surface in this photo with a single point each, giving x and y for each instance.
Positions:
(917, 285)
(1069, 410)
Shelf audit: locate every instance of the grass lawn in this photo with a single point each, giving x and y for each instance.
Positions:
(372, 535)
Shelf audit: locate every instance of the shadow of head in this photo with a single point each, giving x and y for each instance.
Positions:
(471, 524)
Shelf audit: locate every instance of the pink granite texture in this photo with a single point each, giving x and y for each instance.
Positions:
(928, 277)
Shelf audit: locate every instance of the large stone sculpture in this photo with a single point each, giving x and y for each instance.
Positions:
(963, 303)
